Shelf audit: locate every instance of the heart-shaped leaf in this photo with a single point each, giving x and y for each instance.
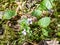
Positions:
(46, 4)
(37, 13)
(9, 14)
(44, 22)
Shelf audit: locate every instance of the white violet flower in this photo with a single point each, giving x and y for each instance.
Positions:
(24, 32)
(29, 20)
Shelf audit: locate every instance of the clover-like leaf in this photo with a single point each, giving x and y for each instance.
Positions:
(9, 14)
(44, 22)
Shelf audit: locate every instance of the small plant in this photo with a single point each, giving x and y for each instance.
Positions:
(38, 22)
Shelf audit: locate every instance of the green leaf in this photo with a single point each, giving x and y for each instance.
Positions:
(24, 24)
(58, 34)
(37, 13)
(46, 4)
(44, 22)
(44, 32)
(9, 14)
